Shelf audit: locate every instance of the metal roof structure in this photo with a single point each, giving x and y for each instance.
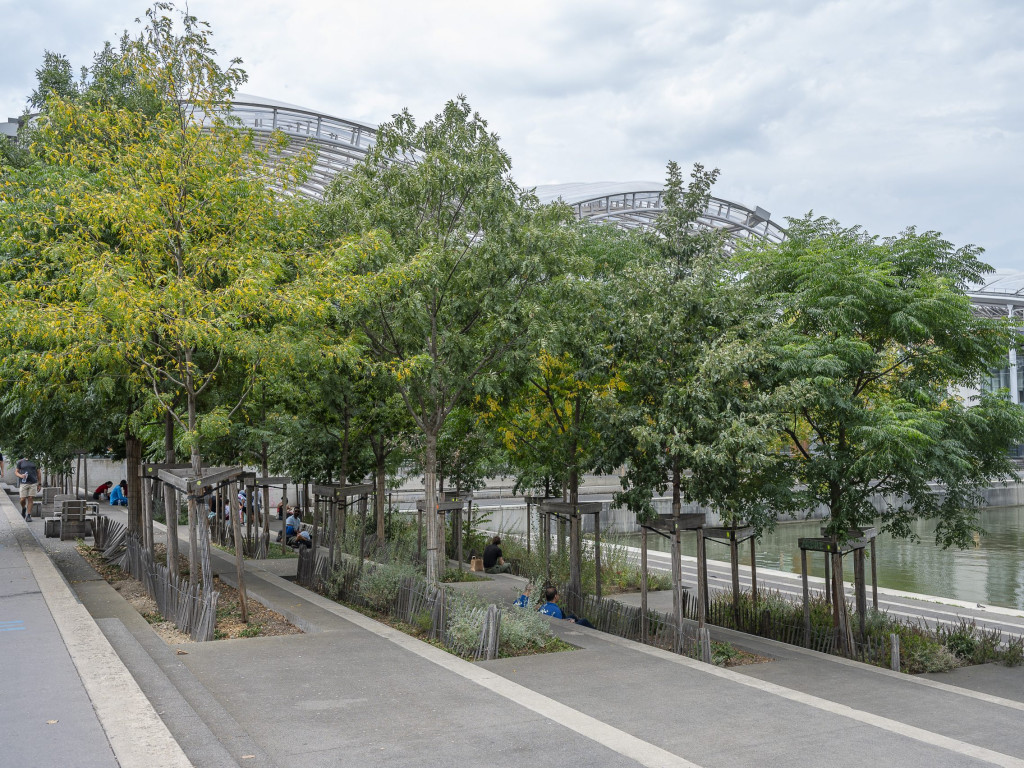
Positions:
(638, 204)
(341, 143)
(1000, 295)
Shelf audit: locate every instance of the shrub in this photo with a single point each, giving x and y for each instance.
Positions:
(962, 643)
(379, 584)
(722, 653)
(523, 630)
(919, 653)
(465, 623)
(1013, 654)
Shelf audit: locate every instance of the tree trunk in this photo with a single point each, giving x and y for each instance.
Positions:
(236, 529)
(266, 497)
(170, 499)
(340, 519)
(839, 617)
(677, 564)
(380, 478)
(575, 596)
(643, 585)
(133, 454)
(196, 458)
(435, 530)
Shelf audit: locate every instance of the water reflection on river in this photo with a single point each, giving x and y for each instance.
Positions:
(991, 572)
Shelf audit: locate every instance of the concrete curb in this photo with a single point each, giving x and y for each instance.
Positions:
(137, 735)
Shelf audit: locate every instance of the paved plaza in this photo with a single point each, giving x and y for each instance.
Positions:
(353, 692)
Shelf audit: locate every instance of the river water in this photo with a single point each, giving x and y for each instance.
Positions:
(991, 572)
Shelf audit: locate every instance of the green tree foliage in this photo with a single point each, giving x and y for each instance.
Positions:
(152, 246)
(447, 256)
(872, 340)
(686, 420)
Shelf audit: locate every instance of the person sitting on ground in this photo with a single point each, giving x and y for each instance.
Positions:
(303, 539)
(493, 560)
(550, 607)
(292, 526)
(118, 495)
(100, 494)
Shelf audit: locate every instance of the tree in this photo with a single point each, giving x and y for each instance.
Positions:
(162, 248)
(445, 259)
(871, 340)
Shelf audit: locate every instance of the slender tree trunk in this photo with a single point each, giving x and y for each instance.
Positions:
(643, 585)
(380, 478)
(266, 497)
(435, 530)
(133, 454)
(339, 519)
(677, 564)
(236, 529)
(193, 512)
(839, 604)
(170, 499)
(575, 541)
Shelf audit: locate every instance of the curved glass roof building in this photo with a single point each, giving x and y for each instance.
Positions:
(340, 143)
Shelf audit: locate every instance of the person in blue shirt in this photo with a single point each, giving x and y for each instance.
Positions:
(117, 495)
(292, 526)
(550, 605)
(550, 608)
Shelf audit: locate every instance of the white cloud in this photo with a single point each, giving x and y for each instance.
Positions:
(880, 112)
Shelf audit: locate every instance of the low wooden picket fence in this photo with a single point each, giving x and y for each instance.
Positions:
(192, 607)
(415, 600)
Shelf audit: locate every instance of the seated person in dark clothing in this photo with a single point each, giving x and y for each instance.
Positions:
(493, 561)
(302, 539)
(100, 494)
(551, 608)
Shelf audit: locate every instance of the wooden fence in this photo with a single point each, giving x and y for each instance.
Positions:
(416, 602)
(191, 607)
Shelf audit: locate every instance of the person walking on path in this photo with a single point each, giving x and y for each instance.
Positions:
(28, 486)
(493, 560)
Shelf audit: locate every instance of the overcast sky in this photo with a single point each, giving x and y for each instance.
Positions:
(885, 113)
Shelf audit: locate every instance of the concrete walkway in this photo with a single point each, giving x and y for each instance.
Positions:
(354, 692)
(68, 699)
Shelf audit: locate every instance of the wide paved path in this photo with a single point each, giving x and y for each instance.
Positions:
(354, 692)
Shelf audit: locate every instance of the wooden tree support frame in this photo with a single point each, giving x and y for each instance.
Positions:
(733, 536)
(255, 481)
(530, 502)
(671, 526)
(563, 510)
(859, 541)
(330, 515)
(454, 502)
(182, 479)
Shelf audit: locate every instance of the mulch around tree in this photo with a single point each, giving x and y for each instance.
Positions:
(263, 622)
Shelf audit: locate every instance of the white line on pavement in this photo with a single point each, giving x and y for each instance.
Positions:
(842, 710)
(617, 740)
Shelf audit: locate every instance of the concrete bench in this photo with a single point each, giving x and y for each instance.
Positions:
(77, 519)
